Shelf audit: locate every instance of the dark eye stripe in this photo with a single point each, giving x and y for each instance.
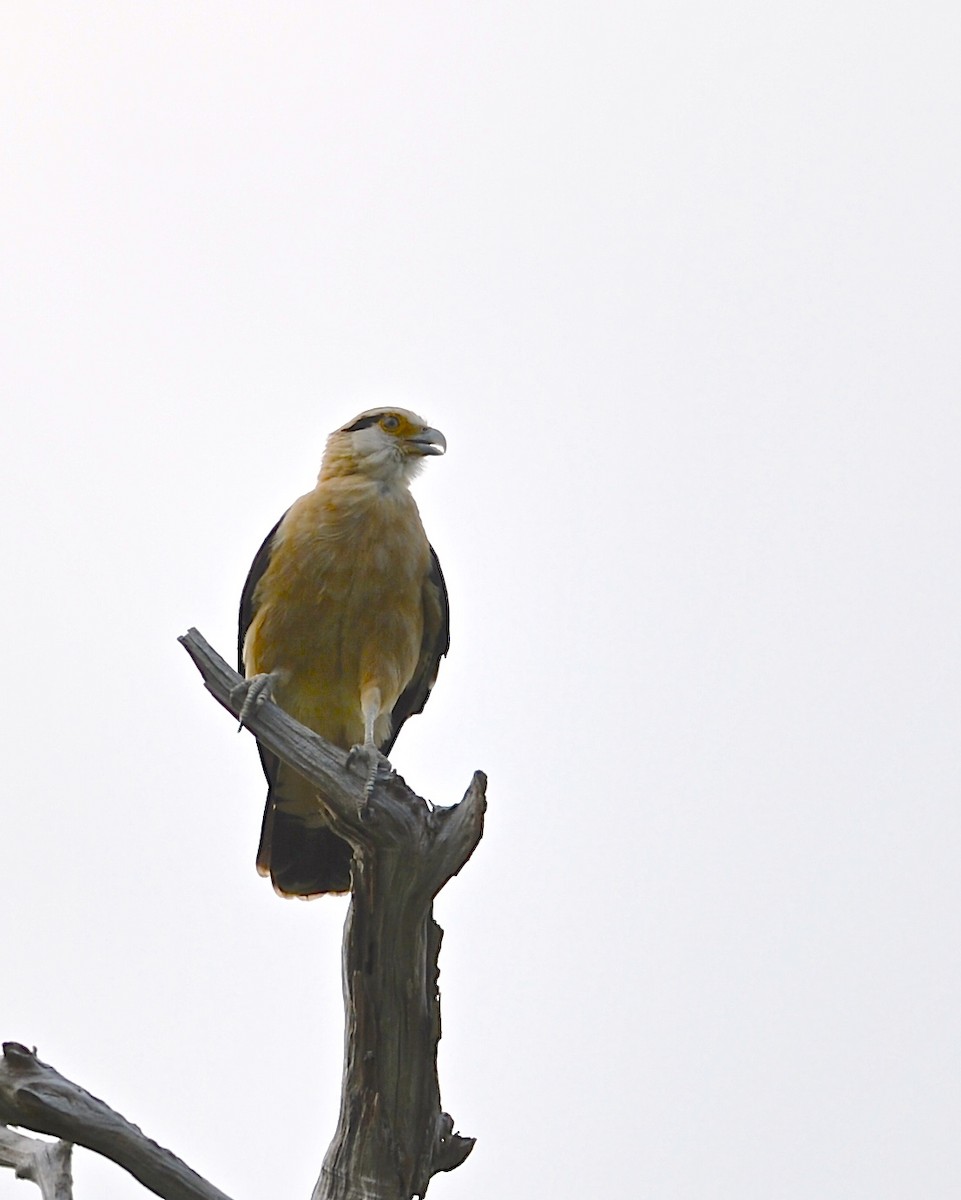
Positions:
(364, 423)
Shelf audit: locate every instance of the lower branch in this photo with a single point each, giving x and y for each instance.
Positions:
(35, 1096)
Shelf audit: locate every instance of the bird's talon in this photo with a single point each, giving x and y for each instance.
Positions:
(254, 691)
(372, 762)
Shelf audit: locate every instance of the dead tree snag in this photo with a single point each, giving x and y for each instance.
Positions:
(392, 1135)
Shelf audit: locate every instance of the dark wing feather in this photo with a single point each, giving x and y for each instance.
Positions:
(254, 575)
(435, 644)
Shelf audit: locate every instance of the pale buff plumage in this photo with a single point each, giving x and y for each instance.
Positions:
(345, 610)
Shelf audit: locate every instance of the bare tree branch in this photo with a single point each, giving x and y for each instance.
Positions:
(33, 1095)
(447, 836)
(315, 759)
(47, 1164)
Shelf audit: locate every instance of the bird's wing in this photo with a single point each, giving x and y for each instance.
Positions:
(269, 761)
(435, 644)
(247, 611)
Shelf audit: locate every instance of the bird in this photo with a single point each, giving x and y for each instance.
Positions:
(344, 619)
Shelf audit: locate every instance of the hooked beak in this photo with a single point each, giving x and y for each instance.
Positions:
(428, 441)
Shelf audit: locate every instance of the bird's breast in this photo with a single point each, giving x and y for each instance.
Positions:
(339, 607)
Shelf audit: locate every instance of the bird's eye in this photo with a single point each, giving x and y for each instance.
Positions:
(390, 423)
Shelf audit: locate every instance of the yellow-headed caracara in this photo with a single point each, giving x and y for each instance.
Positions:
(345, 612)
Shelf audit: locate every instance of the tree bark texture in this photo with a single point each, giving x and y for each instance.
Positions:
(392, 1135)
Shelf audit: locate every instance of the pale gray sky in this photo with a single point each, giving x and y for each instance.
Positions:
(680, 283)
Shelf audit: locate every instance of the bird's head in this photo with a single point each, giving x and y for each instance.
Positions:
(386, 444)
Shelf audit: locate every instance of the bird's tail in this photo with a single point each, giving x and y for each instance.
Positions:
(302, 857)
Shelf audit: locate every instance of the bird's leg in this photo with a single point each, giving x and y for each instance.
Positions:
(368, 753)
(251, 693)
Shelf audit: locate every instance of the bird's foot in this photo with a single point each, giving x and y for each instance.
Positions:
(367, 756)
(250, 694)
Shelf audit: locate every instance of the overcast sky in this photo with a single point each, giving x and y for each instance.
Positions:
(680, 283)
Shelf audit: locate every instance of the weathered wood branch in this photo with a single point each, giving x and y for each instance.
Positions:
(47, 1164)
(33, 1095)
(392, 1135)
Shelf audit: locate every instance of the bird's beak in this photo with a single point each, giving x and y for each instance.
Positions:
(428, 441)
